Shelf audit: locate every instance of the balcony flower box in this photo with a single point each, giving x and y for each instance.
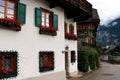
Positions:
(10, 23)
(48, 31)
(70, 36)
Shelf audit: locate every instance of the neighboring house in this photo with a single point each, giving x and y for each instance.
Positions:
(38, 38)
(112, 49)
(86, 31)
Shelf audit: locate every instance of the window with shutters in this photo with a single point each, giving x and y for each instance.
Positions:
(12, 14)
(47, 21)
(8, 64)
(46, 61)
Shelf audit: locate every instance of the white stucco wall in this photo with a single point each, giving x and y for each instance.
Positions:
(28, 42)
(72, 44)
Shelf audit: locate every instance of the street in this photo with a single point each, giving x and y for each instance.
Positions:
(106, 72)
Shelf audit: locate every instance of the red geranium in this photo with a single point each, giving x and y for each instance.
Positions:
(48, 29)
(10, 22)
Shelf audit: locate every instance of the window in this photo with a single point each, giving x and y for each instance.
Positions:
(65, 27)
(70, 35)
(8, 64)
(8, 9)
(45, 18)
(71, 29)
(46, 61)
(12, 9)
(12, 14)
(73, 57)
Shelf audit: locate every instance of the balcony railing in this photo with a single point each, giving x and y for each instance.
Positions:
(77, 9)
(88, 44)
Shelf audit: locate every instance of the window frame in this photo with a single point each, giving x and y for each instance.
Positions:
(5, 13)
(45, 15)
(46, 65)
(12, 72)
(65, 27)
(73, 56)
(71, 29)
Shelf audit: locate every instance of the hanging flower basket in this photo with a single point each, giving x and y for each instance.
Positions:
(70, 36)
(9, 23)
(48, 31)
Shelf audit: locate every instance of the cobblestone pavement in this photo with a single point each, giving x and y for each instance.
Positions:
(106, 72)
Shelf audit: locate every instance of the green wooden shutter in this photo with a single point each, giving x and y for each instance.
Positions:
(55, 21)
(22, 12)
(38, 17)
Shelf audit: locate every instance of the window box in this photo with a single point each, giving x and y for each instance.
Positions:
(70, 36)
(8, 64)
(46, 61)
(9, 23)
(48, 31)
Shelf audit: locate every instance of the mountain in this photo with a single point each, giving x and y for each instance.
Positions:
(109, 34)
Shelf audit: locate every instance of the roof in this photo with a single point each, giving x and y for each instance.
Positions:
(114, 47)
(94, 18)
(111, 48)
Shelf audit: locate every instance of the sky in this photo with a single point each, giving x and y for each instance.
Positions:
(108, 10)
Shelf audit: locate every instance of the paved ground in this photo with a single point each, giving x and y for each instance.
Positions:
(107, 72)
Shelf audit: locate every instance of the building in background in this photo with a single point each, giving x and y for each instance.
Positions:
(86, 31)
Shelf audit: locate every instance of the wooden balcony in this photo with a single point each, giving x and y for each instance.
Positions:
(88, 44)
(76, 9)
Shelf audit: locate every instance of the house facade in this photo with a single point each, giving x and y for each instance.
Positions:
(39, 38)
(87, 31)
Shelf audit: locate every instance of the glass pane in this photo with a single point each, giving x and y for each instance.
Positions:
(1, 15)
(10, 5)
(42, 18)
(43, 24)
(47, 24)
(2, 2)
(47, 20)
(43, 14)
(0, 62)
(41, 60)
(47, 15)
(10, 11)
(7, 63)
(1, 9)
(10, 16)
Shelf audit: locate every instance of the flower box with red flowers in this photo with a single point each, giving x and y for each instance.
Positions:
(9, 23)
(48, 31)
(70, 36)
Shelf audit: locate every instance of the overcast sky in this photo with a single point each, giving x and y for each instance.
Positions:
(107, 9)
